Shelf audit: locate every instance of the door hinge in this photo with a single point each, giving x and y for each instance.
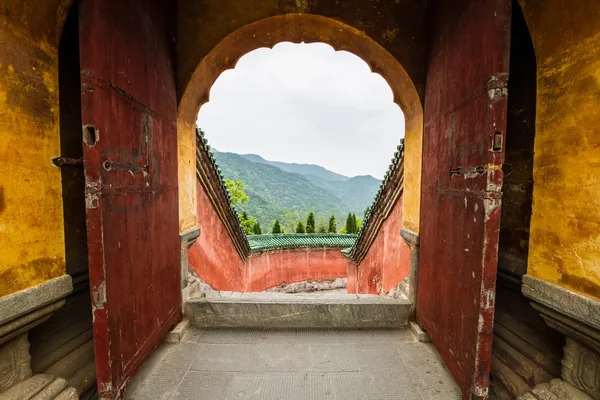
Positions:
(68, 162)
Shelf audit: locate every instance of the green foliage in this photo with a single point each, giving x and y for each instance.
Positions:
(322, 228)
(248, 223)
(276, 194)
(332, 224)
(352, 225)
(236, 190)
(310, 223)
(300, 227)
(276, 227)
(256, 229)
(367, 211)
(349, 227)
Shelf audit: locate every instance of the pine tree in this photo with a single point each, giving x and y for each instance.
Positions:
(276, 227)
(257, 230)
(349, 220)
(354, 224)
(300, 227)
(310, 223)
(332, 225)
(322, 228)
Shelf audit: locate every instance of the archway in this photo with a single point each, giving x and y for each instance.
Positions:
(297, 28)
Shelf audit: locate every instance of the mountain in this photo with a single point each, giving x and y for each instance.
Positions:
(302, 169)
(278, 193)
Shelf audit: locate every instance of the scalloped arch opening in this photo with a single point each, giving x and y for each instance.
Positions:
(297, 28)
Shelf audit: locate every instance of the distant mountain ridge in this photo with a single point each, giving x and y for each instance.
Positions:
(287, 191)
(302, 169)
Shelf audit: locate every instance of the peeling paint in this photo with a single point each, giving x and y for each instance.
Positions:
(99, 296)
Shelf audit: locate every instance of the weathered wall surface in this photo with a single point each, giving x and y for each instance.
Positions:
(270, 269)
(565, 224)
(213, 257)
(31, 215)
(358, 26)
(387, 262)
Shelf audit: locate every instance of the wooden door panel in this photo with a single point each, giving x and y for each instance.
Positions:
(463, 152)
(129, 112)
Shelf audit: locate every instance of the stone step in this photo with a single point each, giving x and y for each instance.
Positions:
(281, 311)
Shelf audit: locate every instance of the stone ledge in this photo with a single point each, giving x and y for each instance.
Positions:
(28, 300)
(176, 334)
(189, 237)
(576, 306)
(298, 313)
(409, 236)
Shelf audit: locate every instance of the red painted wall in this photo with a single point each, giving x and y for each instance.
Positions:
(387, 262)
(292, 265)
(214, 258)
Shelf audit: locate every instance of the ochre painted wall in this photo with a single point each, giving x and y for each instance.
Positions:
(31, 216)
(212, 36)
(294, 265)
(386, 263)
(565, 224)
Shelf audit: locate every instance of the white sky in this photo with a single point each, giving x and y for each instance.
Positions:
(305, 103)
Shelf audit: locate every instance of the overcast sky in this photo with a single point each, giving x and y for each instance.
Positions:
(305, 103)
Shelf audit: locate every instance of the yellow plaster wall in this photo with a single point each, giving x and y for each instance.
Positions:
(565, 225)
(186, 161)
(413, 154)
(31, 219)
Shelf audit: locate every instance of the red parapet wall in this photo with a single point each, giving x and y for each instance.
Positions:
(386, 263)
(214, 258)
(270, 269)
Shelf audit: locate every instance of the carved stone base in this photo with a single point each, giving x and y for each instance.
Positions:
(412, 240)
(187, 239)
(14, 362)
(578, 318)
(41, 387)
(19, 313)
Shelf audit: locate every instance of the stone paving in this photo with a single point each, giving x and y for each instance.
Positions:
(302, 364)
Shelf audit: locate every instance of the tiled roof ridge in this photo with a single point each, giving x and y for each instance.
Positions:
(389, 192)
(208, 172)
(276, 241)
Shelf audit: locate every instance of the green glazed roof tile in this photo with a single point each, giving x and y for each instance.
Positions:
(298, 240)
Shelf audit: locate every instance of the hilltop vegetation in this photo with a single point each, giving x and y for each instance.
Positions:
(275, 193)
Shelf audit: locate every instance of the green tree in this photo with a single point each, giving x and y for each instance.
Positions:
(322, 228)
(276, 227)
(310, 223)
(349, 221)
(236, 190)
(247, 223)
(256, 229)
(300, 227)
(332, 224)
(354, 224)
(367, 211)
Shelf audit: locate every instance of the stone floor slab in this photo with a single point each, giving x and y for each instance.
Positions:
(293, 364)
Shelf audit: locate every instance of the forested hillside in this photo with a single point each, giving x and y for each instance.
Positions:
(276, 193)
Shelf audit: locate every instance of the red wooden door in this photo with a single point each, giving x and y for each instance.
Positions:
(463, 152)
(129, 110)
